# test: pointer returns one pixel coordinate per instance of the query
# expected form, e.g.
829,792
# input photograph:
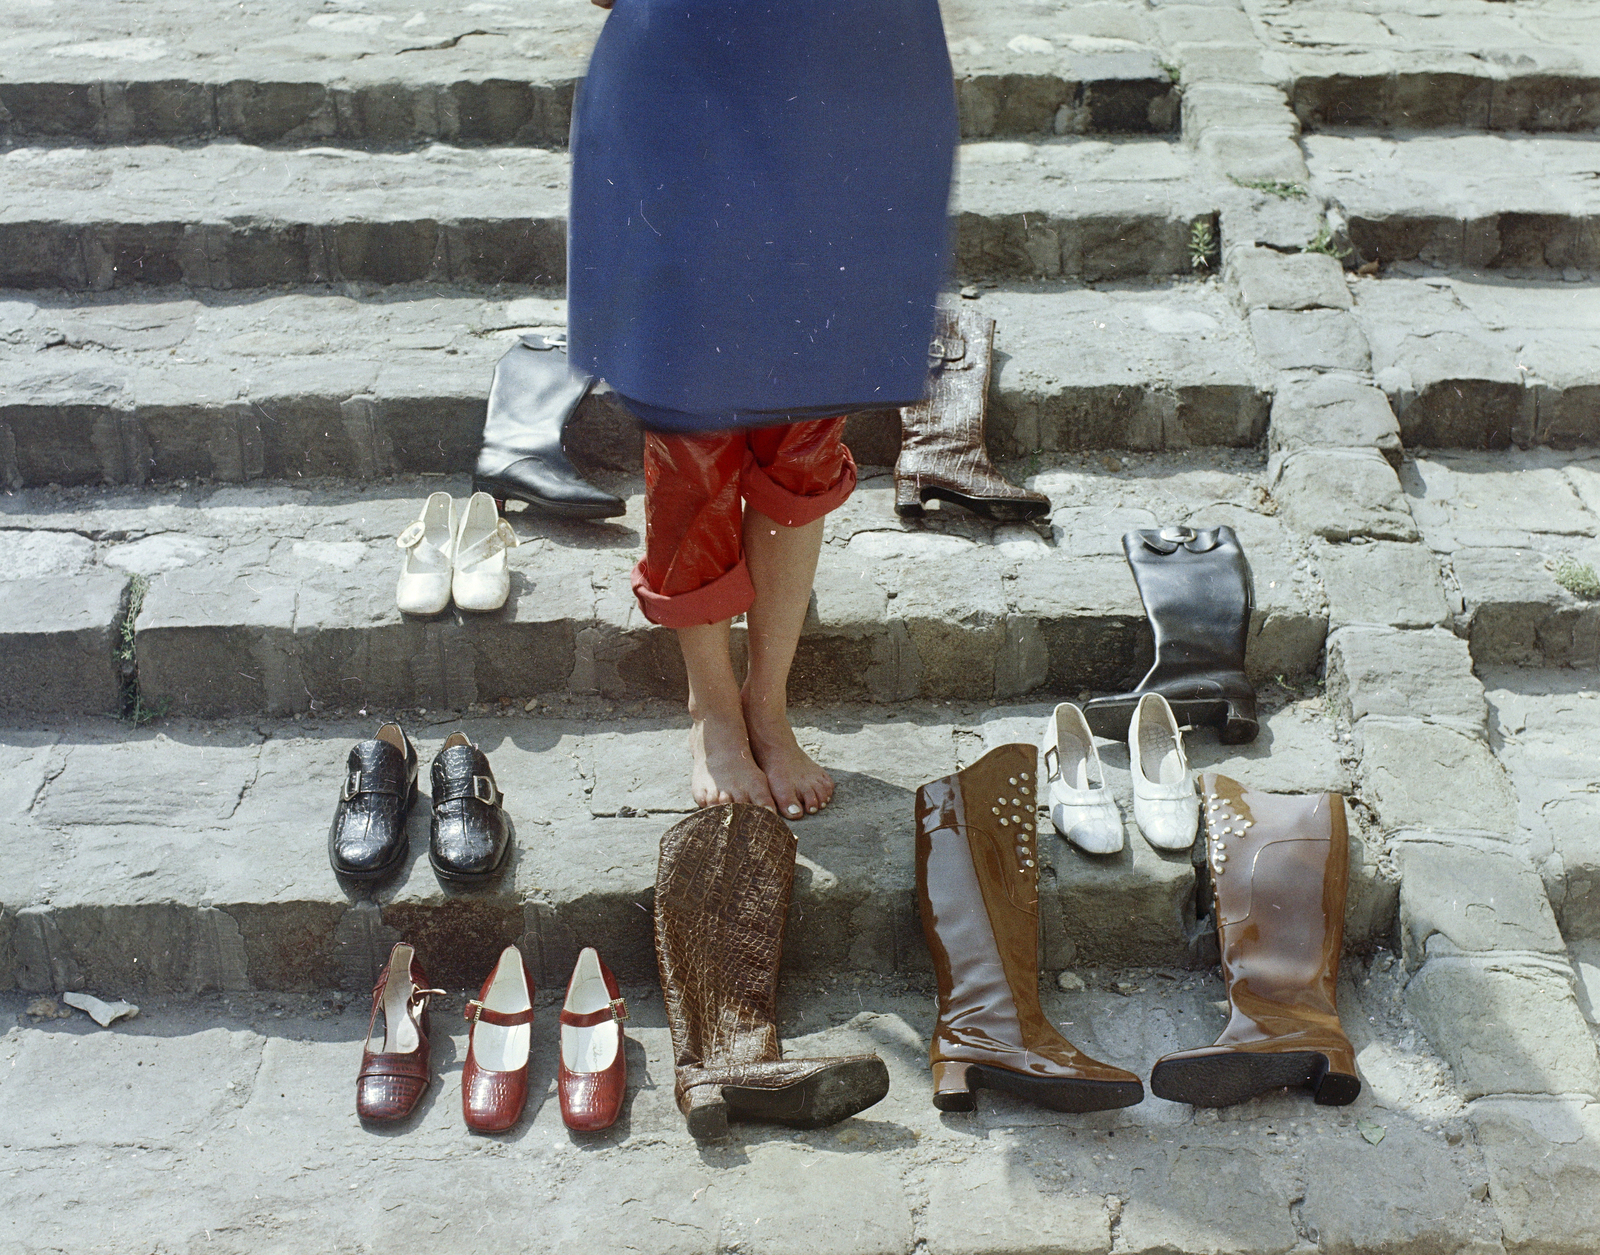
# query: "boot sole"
1058,1095
827,1097
561,509
1112,720
1001,511
1230,1077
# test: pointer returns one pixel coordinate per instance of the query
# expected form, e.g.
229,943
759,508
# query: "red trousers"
693,570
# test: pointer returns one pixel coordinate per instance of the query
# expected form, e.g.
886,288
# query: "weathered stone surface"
1542,1156
1339,494
1518,614
1382,582
1545,724
1332,411
1016,1215
1423,674
1315,339
1459,896
1506,1026
1252,154
1266,279
1242,1208
61,634
1516,499
1424,776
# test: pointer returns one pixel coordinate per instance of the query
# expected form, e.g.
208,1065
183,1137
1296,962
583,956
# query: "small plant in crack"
1578,578
134,709
1280,188
1202,245
1323,242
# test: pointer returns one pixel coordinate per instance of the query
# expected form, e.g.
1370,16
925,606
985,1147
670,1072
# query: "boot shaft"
722,896
1279,873
1198,594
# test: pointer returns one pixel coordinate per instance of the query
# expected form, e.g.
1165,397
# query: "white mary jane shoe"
481,580
1083,811
429,545
1164,801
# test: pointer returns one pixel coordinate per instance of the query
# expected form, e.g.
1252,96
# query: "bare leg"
783,563
724,769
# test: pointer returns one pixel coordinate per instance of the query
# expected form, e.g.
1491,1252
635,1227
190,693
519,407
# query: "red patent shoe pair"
494,1078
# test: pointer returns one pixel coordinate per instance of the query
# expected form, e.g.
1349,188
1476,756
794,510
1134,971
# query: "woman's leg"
693,578
797,474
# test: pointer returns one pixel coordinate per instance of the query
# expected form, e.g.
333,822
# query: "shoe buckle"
619,1010
474,1009
1177,535
352,786
483,789
411,537
946,349
418,1001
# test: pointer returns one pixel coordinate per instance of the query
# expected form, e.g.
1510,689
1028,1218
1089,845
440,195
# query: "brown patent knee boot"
1279,869
722,894
978,890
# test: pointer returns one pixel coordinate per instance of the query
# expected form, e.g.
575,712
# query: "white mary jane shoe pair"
1084,812
455,557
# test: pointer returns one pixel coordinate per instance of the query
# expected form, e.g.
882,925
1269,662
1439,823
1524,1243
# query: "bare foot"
724,770
799,786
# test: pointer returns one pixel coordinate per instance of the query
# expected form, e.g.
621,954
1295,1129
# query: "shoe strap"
477,1012
618,1011
374,780
497,541
480,789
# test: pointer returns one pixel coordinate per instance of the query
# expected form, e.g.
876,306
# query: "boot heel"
907,499
1239,725
707,1113
494,490
952,1087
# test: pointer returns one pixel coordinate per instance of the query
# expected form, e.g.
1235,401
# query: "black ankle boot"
1196,588
534,392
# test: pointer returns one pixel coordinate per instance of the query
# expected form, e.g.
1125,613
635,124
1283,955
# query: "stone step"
1518,535
196,1086
299,74
279,598
158,386
192,856
1478,361
112,217
1481,202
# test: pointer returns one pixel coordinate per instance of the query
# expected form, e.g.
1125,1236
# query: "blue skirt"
760,197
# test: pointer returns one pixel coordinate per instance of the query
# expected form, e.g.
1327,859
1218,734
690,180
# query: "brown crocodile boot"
978,890
942,450
722,895
1279,867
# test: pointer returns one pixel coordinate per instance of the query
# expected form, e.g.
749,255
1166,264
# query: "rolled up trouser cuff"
791,509
729,594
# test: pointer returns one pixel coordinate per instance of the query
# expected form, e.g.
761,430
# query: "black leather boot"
534,392
1196,588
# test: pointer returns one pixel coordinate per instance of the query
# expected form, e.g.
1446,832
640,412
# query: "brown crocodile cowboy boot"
1279,867
942,450
978,890
722,894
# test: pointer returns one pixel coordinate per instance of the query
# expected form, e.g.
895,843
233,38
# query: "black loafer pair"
469,836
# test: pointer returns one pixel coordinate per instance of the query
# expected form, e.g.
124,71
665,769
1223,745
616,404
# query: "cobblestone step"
112,217
192,856
388,74
1501,525
1482,202
268,1079
279,598
169,385
1477,361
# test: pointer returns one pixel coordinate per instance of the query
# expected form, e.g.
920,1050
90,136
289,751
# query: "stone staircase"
255,271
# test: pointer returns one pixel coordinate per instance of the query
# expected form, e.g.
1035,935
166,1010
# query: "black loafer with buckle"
470,836
368,836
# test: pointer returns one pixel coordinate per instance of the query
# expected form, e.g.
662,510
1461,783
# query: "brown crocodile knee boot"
978,890
1279,867
942,450
722,894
